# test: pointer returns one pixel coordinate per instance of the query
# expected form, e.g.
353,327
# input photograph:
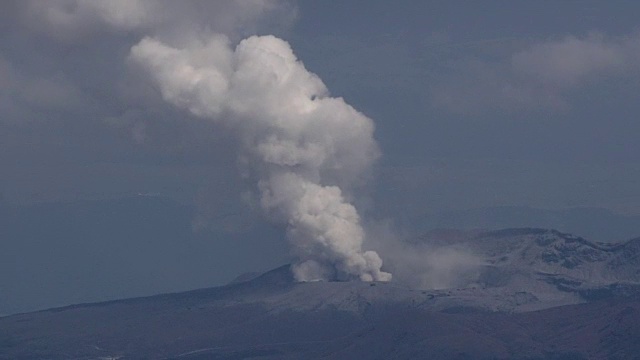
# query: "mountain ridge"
510,310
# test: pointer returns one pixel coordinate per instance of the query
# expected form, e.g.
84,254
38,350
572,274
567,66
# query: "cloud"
541,76
569,61
68,94
79,15
77,21
23,93
481,87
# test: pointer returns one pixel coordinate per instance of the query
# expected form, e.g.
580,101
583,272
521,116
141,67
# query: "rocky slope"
549,267
510,309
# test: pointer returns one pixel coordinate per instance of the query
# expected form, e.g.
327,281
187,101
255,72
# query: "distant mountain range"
592,223
537,294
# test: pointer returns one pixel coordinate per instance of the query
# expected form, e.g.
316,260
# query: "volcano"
539,294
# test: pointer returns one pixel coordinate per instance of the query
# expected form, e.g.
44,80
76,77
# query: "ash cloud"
431,261
304,150
434,267
304,147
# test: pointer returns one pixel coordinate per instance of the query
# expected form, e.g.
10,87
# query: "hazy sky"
525,102
476,104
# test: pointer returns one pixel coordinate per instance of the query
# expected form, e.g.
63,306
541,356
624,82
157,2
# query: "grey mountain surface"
543,268
510,308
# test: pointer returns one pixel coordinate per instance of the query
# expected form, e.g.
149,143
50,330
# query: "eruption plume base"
294,139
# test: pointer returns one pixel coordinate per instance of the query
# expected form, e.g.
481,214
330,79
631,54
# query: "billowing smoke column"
303,146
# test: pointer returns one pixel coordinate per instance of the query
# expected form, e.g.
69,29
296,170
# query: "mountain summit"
537,294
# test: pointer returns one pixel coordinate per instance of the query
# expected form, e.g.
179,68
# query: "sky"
500,103
475,104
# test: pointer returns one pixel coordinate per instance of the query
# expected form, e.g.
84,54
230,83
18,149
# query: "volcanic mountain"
536,294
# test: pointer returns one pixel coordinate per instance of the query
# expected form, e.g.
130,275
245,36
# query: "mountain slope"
211,324
551,267
510,311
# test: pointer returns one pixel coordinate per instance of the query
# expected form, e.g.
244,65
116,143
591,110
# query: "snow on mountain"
546,266
507,309
522,270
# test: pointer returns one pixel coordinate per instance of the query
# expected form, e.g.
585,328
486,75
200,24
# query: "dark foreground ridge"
272,317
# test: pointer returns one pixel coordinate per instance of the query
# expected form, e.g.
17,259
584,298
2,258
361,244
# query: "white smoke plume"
299,142
435,260
305,149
